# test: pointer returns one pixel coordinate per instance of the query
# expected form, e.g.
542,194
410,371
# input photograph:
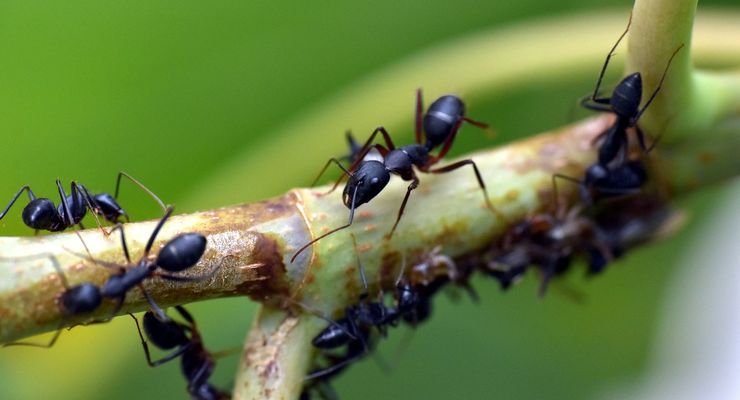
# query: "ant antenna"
660,84
31,196
334,160
140,185
360,267
608,57
351,217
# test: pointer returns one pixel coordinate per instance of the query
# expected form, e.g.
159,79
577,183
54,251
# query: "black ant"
42,214
196,362
367,178
179,254
608,176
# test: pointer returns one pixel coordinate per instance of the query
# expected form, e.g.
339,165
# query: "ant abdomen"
81,299
182,252
41,213
441,118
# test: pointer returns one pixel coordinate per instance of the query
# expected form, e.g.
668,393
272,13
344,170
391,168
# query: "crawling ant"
609,177
625,104
367,178
196,362
42,214
177,255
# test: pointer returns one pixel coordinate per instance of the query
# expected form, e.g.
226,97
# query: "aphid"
196,362
367,178
179,254
41,213
550,242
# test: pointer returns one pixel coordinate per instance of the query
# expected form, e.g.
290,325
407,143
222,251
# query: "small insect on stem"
177,255
42,214
368,177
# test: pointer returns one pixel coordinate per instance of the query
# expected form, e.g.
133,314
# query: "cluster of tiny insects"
599,227
547,242
178,255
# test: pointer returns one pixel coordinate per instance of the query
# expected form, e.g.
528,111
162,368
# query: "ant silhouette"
610,176
177,255
42,214
196,362
367,178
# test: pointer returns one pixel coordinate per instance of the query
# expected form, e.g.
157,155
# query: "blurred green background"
173,93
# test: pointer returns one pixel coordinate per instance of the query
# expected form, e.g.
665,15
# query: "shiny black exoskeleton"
613,173
625,104
179,254
42,214
196,361
367,178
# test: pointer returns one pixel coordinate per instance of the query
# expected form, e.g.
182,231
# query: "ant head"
109,207
365,183
40,214
164,334
625,100
81,299
182,252
441,117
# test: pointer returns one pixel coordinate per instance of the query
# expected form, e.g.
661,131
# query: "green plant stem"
253,243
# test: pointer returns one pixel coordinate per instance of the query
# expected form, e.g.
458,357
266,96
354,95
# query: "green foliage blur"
173,91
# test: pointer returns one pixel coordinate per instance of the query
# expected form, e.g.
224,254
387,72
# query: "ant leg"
155,232
601,104
186,315
351,357
482,185
158,311
657,89
31,196
65,206
555,186
447,143
419,116
351,217
124,246
162,360
197,278
367,147
43,346
326,166
361,268
606,63
413,185
89,203
140,185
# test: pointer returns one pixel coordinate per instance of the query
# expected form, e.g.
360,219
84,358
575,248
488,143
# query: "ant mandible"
179,254
367,178
42,214
196,362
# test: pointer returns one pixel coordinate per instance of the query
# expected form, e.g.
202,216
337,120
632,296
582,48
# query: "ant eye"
374,181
